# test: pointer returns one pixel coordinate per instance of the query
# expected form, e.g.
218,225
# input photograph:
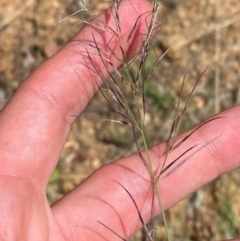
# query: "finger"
35,122
101,198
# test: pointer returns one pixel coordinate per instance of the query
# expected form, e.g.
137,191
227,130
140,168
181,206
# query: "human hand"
33,128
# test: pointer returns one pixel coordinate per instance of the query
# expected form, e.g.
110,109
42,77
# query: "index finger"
35,122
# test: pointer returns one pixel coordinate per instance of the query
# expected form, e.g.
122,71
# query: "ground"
198,34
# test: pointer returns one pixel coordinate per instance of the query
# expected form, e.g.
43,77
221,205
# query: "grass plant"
134,78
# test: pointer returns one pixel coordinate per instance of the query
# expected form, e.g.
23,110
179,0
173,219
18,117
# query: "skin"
33,128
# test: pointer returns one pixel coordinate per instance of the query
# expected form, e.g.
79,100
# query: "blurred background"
199,34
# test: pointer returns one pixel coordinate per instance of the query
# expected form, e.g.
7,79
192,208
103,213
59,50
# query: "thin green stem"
150,167
162,210
156,184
